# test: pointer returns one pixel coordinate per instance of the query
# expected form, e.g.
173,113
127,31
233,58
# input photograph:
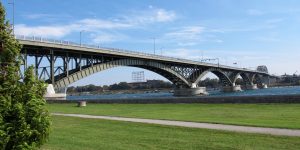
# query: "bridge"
70,62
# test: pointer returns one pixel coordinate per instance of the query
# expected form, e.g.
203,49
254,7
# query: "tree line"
150,84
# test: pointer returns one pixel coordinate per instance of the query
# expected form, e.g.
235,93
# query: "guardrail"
117,50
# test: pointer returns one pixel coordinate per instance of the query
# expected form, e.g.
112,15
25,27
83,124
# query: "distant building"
138,76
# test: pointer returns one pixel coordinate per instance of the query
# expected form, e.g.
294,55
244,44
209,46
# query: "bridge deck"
64,45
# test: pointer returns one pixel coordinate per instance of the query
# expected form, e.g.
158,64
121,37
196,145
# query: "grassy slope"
83,134
268,115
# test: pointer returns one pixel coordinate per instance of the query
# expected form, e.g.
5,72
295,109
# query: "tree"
24,121
212,83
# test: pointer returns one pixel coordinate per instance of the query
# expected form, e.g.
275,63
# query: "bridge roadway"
79,61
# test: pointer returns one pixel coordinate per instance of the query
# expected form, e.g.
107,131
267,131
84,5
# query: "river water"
270,91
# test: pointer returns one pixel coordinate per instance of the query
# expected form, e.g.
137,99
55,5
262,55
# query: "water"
269,91
120,96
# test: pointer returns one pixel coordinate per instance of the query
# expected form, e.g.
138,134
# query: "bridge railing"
62,42
122,51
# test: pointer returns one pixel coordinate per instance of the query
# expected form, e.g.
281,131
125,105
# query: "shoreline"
211,99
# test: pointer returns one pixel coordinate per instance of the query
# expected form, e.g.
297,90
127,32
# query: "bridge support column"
52,95
264,86
234,88
251,87
190,91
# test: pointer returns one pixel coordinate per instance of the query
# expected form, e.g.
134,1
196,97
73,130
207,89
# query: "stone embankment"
199,99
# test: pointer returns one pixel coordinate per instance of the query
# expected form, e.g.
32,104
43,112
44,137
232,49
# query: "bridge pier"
190,91
51,94
264,86
234,88
251,87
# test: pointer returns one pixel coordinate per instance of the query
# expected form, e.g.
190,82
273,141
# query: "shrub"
24,121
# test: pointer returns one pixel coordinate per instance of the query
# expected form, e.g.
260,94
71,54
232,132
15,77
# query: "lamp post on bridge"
81,36
161,49
154,44
218,61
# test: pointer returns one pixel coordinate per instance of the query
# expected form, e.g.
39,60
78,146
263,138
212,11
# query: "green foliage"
211,83
24,121
116,135
264,115
149,84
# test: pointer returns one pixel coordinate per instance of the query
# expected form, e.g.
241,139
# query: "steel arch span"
158,68
79,61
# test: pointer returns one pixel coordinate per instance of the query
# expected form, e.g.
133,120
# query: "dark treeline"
289,80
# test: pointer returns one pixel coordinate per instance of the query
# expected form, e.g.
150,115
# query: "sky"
240,33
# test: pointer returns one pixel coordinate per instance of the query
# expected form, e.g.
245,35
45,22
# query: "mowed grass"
70,133
265,115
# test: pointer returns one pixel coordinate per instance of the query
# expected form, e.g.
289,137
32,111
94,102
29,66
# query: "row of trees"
121,86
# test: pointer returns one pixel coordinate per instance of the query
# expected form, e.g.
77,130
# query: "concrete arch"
159,68
171,77
258,78
245,78
219,73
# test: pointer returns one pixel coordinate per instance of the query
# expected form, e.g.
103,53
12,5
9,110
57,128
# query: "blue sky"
251,33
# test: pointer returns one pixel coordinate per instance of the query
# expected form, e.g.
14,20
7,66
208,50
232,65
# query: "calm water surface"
269,91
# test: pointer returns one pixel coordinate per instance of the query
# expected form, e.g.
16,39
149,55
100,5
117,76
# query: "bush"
24,121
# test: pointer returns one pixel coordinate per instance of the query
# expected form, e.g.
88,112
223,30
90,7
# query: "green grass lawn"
267,115
70,133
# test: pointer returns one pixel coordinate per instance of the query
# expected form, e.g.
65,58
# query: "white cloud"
133,20
37,16
44,31
162,15
149,16
104,37
186,33
63,30
47,18
190,36
90,24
